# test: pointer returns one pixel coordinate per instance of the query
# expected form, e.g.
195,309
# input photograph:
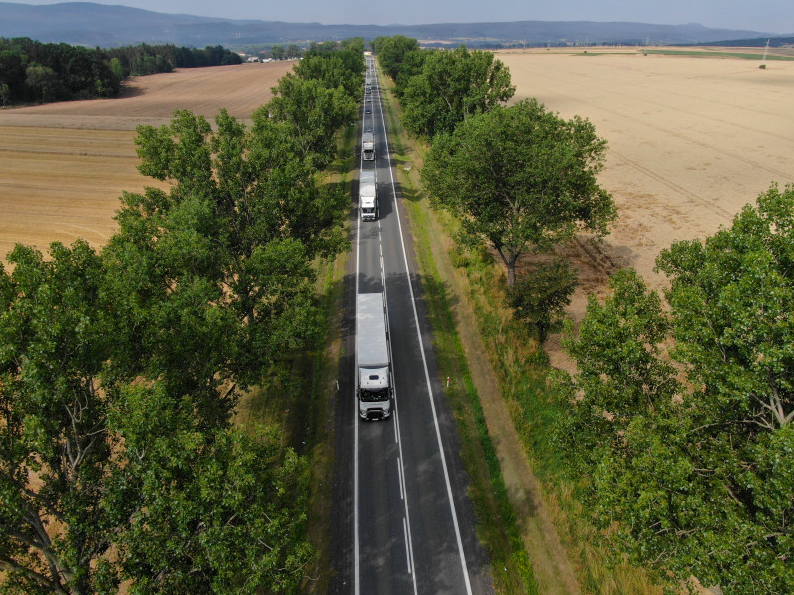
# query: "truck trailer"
373,359
368,146
368,195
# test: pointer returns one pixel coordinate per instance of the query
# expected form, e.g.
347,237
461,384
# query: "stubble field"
690,142
63,166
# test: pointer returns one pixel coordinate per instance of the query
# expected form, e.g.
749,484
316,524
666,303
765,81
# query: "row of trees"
284,52
146,59
520,179
119,370
681,417
31,71
677,428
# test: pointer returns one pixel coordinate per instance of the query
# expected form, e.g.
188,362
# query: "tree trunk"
509,258
510,261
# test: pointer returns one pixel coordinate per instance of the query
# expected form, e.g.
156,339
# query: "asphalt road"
402,522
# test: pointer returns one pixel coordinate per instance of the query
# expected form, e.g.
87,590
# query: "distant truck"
368,146
373,357
368,195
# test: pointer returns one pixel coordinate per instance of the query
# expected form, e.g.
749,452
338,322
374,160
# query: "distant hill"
90,24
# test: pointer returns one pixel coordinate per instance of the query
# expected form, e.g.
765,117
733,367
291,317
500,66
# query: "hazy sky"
773,16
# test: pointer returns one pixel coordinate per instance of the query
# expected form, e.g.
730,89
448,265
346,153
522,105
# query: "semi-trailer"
373,359
368,195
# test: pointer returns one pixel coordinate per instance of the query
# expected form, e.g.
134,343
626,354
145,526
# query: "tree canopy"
683,419
521,179
451,87
336,65
392,51
104,480
314,113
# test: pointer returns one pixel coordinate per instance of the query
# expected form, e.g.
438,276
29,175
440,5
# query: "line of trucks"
373,353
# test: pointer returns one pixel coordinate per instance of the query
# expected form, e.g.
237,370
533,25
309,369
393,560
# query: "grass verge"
496,523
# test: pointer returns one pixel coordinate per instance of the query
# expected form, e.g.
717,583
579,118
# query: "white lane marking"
453,510
400,478
408,558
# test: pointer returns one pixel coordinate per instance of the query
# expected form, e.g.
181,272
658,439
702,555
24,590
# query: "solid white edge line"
453,510
405,536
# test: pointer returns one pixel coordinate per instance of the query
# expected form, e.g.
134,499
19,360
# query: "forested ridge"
120,368
31,71
674,437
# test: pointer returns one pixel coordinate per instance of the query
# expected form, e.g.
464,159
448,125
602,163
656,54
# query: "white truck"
373,357
368,146
368,195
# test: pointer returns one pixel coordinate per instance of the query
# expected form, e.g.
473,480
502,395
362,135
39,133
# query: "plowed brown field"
63,166
691,141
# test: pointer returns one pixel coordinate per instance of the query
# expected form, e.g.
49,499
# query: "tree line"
146,59
31,71
120,368
677,427
520,179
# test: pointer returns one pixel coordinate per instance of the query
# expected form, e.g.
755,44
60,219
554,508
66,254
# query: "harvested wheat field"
63,166
691,141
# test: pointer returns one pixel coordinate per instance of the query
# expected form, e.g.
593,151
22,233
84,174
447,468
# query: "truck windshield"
368,209
372,396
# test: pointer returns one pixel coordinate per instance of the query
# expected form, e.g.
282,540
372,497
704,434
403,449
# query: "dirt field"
691,141
63,166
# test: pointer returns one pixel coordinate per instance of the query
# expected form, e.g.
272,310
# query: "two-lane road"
402,521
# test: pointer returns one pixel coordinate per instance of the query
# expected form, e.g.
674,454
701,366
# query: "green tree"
392,51
54,444
541,297
411,66
521,179
277,52
233,239
451,87
698,473
43,81
219,512
337,68
314,113
117,69
102,482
